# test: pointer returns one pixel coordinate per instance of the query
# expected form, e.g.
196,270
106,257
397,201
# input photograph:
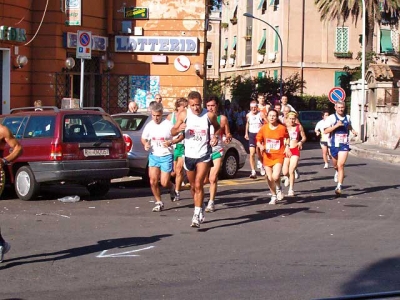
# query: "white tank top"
255,122
197,135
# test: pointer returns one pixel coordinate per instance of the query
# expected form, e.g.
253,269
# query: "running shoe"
285,180
159,207
296,174
290,193
195,221
273,200
279,195
335,178
3,250
172,192
338,190
177,197
201,215
259,164
326,166
262,171
210,207
253,175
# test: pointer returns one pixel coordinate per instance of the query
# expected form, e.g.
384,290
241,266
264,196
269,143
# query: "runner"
217,151
253,125
297,138
6,137
196,123
157,137
284,103
319,131
272,142
179,149
338,126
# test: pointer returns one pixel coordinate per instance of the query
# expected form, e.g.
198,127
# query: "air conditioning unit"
272,56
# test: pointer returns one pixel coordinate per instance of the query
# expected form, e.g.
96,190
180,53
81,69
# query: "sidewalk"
371,151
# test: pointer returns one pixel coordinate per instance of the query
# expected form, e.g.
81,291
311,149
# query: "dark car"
132,125
308,119
82,146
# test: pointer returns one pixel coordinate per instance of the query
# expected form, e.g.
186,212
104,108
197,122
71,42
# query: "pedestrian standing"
217,151
253,124
157,139
339,126
272,140
6,137
196,123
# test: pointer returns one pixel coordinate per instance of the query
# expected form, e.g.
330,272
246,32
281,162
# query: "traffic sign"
84,44
337,94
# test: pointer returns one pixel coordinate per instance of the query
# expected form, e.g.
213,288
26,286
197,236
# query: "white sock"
253,171
210,201
197,210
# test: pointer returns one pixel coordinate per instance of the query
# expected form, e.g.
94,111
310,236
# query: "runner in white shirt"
196,122
157,139
319,131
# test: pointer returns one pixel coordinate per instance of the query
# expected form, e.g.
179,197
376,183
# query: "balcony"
348,54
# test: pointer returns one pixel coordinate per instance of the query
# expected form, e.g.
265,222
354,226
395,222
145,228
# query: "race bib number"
157,142
340,138
198,135
271,144
293,135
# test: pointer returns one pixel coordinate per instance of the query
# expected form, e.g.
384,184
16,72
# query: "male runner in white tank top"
196,122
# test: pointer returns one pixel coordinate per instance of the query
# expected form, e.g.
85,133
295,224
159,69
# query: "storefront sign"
156,44
99,43
12,34
138,13
73,10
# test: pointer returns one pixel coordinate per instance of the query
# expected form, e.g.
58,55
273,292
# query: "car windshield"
88,128
130,122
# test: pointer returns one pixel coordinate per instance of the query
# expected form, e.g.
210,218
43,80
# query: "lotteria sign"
12,34
156,44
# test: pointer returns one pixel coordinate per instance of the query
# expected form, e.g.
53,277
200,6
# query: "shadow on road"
84,250
258,216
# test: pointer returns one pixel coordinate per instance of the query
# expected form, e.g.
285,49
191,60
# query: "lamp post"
280,40
362,121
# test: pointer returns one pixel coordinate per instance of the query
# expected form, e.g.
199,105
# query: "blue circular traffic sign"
337,94
84,39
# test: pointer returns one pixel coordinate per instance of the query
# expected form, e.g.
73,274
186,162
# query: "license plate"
96,152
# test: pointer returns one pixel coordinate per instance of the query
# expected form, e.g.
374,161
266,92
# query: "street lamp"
280,40
362,121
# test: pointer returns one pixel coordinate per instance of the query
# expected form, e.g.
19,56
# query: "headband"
253,104
292,113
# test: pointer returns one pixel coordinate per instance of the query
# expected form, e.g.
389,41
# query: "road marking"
122,254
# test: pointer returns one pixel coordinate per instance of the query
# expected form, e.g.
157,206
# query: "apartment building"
316,50
135,50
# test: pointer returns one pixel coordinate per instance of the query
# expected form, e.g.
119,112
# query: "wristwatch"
5,161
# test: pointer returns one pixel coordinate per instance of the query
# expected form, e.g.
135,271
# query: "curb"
375,154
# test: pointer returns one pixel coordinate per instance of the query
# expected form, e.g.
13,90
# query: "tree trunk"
369,31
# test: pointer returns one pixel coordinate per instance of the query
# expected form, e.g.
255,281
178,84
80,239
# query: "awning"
271,2
386,41
234,42
264,37
261,4
226,44
234,15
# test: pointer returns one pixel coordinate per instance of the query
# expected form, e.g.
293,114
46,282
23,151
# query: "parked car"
308,119
132,125
82,146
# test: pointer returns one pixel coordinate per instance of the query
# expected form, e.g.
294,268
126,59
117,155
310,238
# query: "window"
338,77
40,126
276,44
131,122
234,42
226,44
263,39
274,3
276,74
247,59
210,28
386,41
263,6
210,58
342,39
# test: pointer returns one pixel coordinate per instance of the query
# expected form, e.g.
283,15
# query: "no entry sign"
337,94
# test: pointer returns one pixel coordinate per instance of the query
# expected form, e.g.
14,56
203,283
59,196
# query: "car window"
88,128
311,116
14,124
40,126
131,122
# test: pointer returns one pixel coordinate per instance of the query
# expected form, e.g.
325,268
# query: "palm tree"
380,11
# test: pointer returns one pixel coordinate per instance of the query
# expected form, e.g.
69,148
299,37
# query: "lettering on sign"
99,43
12,34
156,44
136,13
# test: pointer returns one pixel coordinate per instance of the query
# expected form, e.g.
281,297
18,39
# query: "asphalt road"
309,246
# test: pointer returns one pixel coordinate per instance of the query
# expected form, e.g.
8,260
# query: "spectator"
38,105
158,98
132,107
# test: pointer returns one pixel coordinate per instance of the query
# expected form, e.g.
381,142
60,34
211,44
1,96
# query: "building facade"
318,51
136,48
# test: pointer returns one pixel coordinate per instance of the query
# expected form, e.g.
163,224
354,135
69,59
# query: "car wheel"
98,188
230,165
26,186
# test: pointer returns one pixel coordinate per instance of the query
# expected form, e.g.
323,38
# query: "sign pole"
82,80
